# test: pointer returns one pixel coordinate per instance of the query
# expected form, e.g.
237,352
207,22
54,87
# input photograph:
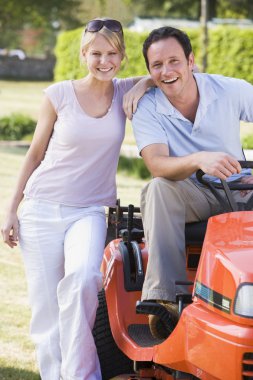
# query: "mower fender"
207,345
121,304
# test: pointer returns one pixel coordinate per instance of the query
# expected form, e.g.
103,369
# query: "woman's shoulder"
123,85
58,92
58,86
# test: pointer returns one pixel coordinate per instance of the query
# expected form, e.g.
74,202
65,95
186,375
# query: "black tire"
113,362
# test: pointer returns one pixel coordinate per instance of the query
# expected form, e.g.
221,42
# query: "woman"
67,178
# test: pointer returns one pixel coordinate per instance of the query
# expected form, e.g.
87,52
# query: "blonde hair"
116,39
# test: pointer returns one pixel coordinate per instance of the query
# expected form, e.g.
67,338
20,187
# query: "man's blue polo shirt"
223,103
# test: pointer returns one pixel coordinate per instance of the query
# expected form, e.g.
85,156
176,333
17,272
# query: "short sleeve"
147,126
246,100
55,93
124,84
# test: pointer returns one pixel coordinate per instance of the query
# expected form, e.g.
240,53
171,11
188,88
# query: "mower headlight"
244,301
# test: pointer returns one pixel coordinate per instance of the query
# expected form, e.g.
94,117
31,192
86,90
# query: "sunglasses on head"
96,25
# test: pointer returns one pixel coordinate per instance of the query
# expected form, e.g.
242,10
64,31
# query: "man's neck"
187,104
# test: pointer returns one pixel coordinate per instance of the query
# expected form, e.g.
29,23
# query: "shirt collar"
163,105
207,93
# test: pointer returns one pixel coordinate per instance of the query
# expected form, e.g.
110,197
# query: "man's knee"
159,188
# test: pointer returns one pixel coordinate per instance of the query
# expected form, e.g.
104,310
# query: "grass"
16,350
24,97
17,357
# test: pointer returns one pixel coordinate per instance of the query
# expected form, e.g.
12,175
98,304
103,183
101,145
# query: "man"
190,121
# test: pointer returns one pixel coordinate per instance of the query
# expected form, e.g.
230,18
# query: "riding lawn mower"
213,338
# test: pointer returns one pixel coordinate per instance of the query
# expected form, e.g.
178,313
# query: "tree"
235,9
204,33
117,9
191,8
166,8
47,15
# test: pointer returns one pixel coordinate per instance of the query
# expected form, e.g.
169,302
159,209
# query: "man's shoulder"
218,80
149,98
222,86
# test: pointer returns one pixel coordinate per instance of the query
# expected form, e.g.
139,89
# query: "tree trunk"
204,33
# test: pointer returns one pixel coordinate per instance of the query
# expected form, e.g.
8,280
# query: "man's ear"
191,61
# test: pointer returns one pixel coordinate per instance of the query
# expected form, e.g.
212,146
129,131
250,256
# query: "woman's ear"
83,55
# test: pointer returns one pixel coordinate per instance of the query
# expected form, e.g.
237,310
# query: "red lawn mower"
213,338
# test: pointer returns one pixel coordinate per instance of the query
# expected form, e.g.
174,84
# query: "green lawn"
17,358
16,350
24,97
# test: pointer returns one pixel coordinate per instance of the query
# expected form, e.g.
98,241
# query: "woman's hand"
131,98
10,230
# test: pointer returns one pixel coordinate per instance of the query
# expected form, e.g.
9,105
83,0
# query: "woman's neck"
95,86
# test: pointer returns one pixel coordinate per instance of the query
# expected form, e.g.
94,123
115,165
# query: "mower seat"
195,233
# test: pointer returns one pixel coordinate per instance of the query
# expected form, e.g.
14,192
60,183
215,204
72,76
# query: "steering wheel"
228,203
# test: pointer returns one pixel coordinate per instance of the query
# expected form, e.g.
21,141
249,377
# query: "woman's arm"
131,98
33,158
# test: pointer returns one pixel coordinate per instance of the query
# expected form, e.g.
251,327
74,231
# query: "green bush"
247,142
68,65
134,167
16,126
230,53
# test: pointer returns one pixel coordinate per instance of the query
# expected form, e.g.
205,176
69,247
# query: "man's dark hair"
163,33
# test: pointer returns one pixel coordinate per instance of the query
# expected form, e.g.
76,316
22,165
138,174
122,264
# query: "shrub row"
134,167
230,53
248,142
16,127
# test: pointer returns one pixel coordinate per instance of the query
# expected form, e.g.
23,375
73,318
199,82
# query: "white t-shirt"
80,163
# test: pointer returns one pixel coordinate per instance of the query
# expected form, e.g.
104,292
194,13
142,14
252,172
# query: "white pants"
62,249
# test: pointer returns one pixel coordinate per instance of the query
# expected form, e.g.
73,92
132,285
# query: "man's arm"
160,164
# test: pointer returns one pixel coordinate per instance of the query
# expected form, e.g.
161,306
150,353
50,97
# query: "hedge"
16,127
247,142
133,166
230,53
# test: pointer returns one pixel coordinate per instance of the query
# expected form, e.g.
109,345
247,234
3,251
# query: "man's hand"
247,180
218,164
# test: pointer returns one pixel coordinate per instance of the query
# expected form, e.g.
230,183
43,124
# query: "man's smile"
168,81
